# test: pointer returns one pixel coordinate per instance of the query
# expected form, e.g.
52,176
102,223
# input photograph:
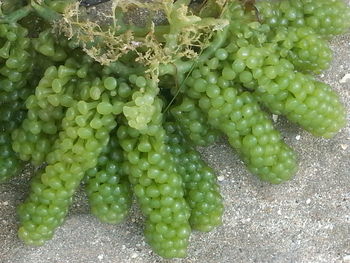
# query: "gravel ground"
304,220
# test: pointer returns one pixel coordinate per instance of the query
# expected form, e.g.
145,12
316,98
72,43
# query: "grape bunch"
16,70
119,109
107,186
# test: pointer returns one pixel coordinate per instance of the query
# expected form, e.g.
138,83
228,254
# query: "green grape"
326,17
194,123
107,187
157,186
300,44
85,132
10,116
202,191
248,128
17,61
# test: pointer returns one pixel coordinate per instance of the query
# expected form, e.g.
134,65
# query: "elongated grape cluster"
194,123
237,114
75,151
326,17
201,189
107,186
130,127
258,66
15,71
303,47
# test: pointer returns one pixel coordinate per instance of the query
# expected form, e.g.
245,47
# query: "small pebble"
345,78
134,255
274,117
136,43
100,257
221,178
346,259
344,146
297,137
308,201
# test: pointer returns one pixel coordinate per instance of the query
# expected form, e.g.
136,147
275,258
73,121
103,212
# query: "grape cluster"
259,66
46,109
45,44
10,164
140,110
325,17
107,186
303,47
201,189
130,128
15,72
249,130
83,133
157,186
194,123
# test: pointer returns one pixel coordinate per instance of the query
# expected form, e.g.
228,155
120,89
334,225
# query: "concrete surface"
304,220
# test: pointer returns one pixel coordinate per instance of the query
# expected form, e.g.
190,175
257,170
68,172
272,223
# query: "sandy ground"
304,220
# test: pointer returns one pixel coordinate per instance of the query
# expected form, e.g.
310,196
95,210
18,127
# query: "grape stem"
121,69
159,30
45,12
217,42
16,15
182,67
